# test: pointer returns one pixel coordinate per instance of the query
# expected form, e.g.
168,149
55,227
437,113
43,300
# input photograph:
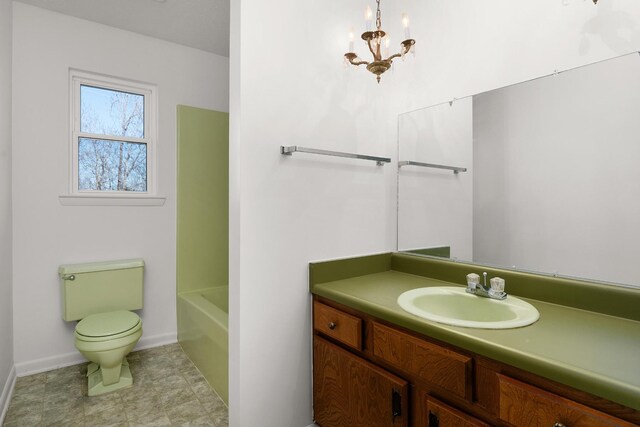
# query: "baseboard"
7,392
156,341
23,369
48,363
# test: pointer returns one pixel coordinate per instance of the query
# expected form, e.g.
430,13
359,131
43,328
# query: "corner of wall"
7,368
7,392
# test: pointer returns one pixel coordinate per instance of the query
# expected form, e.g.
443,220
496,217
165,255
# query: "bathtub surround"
7,371
203,199
203,242
52,234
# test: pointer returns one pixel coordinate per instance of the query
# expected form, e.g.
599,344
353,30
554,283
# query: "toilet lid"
106,324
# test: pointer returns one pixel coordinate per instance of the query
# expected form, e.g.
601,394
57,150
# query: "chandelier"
375,40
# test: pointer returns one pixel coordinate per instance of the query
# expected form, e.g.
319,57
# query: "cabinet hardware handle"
396,404
433,420
559,425
332,325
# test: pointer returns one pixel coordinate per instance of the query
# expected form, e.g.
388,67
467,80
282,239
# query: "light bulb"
368,18
405,24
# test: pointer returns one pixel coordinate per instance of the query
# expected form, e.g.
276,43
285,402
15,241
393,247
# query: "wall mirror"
552,179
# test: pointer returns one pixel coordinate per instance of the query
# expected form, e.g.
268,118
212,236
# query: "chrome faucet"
494,291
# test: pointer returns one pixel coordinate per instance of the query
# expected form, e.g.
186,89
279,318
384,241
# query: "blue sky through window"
104,164
111,112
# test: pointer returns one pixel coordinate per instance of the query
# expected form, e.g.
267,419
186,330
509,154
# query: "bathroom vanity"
531,177
377,365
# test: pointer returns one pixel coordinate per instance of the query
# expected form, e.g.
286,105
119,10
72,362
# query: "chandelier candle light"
375,39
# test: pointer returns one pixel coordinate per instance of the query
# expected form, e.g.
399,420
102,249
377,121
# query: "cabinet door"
528,406
441,415
351,392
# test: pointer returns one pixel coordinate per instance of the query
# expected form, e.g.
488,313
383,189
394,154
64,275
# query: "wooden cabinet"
369,373
338,325
434,364
442,415
525,405
351,392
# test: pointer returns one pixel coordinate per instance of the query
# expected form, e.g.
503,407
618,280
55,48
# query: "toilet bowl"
101,296
105,339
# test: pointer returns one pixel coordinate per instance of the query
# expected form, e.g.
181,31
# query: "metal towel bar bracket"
455,169
288,151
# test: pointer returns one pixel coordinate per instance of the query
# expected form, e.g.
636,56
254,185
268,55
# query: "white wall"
466,47
47,234
555,173
6,307
291,89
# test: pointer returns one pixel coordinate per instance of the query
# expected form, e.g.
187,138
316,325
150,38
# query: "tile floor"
168,390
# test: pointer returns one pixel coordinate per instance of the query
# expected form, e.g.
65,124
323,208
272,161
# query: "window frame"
78,78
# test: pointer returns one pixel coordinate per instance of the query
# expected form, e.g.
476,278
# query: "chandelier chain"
378,16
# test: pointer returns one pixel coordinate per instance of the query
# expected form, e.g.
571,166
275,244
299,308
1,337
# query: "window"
113,136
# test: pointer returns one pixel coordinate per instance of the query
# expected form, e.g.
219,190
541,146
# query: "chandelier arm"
397,55
351,57
356,63
407,45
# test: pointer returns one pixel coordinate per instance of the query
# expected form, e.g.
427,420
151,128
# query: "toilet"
101,296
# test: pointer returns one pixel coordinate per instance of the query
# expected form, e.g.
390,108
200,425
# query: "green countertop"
589,351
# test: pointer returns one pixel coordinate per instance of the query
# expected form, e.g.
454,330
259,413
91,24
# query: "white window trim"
77,197
110,200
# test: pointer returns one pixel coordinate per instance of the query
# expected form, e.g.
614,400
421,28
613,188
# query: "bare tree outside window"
112,163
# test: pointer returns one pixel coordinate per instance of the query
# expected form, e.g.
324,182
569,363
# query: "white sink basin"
454,306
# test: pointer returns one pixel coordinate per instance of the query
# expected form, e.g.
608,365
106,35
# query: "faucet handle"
472,281
497,286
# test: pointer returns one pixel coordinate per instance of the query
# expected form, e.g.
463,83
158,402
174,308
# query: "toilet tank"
101,286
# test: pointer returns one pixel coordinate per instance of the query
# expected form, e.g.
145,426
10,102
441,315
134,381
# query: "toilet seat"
108,326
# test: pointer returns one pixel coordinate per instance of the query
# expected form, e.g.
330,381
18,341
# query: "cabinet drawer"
525,405
442,415
338,325
432,363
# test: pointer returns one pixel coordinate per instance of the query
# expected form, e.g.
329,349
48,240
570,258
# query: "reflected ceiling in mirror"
552,180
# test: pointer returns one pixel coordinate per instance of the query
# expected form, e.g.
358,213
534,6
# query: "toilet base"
95,384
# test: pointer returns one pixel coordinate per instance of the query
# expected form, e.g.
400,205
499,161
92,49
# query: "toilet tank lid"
100,266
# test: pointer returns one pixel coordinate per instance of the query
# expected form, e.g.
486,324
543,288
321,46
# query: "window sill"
110,200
